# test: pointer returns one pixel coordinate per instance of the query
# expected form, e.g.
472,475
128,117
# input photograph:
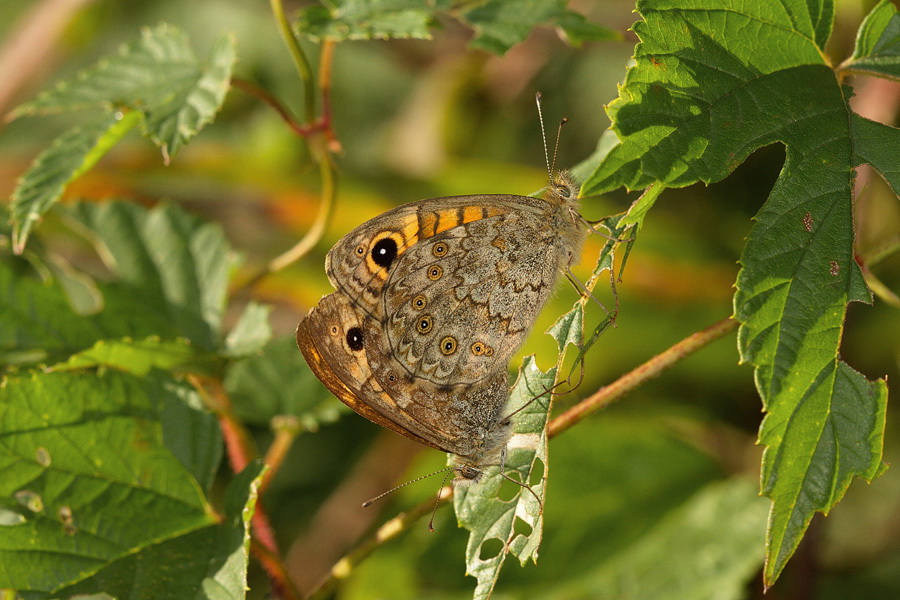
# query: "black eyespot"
355,339
435,272
419,302
440,249
424,324
384,252
448,345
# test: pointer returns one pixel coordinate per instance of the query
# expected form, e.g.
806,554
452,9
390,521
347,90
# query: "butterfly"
431,301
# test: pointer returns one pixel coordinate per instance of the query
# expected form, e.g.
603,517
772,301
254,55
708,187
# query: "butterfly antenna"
562,122
537,100
437,501
369,503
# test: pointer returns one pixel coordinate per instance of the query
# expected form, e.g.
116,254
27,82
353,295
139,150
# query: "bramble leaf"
277,381
173,269
160,76
68,157
90,448
710,86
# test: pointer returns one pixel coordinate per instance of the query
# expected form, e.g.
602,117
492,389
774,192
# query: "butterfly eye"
440,249
355,339
424,324
384,252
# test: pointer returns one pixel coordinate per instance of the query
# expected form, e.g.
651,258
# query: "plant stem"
391,529
650,369
299,57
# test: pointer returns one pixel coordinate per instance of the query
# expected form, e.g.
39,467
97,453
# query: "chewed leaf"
516,524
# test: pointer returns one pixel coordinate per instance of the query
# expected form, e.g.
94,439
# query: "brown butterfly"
432,300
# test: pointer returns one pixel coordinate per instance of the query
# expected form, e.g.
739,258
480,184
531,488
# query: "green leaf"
251,332
710,86
278,382
191,432
90,447
36,320
341,20
139,357
66,159
878,43
707,564
210,563
510,525
501,24
569,328
160,76
876,144
173,269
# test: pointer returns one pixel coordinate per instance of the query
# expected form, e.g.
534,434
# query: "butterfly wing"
345,349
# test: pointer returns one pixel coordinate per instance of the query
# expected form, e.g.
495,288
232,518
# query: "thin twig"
650,369
391,529
282,586
286,428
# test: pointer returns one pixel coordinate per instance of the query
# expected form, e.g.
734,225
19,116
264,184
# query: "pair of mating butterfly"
433,299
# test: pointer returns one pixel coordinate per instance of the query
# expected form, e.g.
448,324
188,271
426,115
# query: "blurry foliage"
662,474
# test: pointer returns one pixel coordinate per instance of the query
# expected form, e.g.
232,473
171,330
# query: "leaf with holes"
501,526
711,85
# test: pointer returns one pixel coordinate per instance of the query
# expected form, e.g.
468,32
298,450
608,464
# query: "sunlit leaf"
90,446
252,331
711,85
69,156
210,563
500,526
160,76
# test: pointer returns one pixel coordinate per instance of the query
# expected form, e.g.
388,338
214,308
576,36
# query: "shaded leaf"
711,85
278,381
170,264
341,20
68,157
501,24
36,320
516,523
158,75
251,332
707,548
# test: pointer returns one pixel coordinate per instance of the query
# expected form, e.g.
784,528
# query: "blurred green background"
419,119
